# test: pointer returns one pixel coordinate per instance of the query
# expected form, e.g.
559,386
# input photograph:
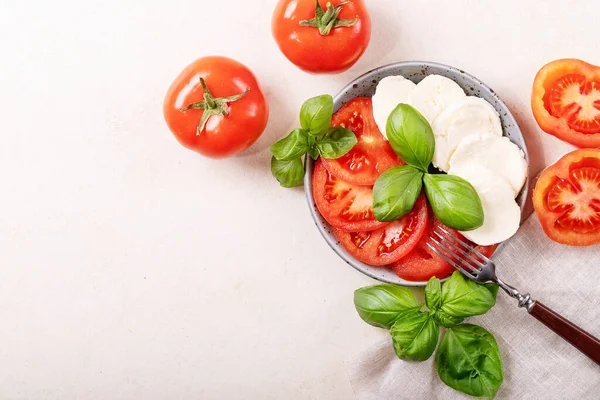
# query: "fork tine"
448,259
450,254
461,251
453,237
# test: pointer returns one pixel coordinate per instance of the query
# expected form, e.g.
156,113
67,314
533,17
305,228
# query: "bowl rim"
309,165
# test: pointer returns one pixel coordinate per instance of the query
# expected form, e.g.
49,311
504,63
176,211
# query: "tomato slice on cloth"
423,263
372,155
566,101
566,199
390,243
345,206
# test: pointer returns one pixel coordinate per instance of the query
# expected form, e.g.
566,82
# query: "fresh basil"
382,305
411,136
290,173
314,138
433,294
461,297
316,113
469,361
415,336
336,143
445,320
433,298
468,358
395,192
292,146
454,201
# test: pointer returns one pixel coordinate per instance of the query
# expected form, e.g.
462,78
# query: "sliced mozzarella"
498,154
465,117
434,94
390,92
502,215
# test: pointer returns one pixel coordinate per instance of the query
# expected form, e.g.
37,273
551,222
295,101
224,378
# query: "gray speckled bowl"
364,86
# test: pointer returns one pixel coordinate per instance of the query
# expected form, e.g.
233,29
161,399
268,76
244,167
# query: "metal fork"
479,268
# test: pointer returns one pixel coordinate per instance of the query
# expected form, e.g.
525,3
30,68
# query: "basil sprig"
315,137
468,358
453,200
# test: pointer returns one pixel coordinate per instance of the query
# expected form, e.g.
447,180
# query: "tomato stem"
326,20
212,106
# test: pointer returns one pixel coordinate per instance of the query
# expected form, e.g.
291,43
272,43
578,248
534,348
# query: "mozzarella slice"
390,92
465,117
502,215
434,94
498,154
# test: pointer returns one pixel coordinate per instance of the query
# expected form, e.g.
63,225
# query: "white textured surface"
133,268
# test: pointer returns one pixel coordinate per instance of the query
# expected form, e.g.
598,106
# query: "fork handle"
582,340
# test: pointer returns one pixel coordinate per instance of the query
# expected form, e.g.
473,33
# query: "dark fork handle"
583,341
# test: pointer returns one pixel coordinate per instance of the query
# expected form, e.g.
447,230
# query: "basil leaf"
292,146
382,305
493,288
445,320
316,113
411,136
415,336
336,143
454,201
395,192
461,297
433,294
289,173
469,361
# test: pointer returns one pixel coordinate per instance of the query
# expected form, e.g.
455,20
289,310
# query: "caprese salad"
382,197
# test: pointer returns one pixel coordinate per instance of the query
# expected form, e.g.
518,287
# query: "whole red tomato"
322,35
216,107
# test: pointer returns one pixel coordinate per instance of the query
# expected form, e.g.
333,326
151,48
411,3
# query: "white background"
131,267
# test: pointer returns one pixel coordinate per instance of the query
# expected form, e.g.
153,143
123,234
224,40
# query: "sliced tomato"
390,243
372,155
567,199
345,206
566,101
423,263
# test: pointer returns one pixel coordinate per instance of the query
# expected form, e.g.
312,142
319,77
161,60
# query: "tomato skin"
308,49
423,263
223,136
335,199
547,195
370,247
548,76
372,155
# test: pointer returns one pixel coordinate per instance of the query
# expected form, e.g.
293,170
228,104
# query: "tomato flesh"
372,155
577,100
386,245
577,198
567,199
423,263
343,205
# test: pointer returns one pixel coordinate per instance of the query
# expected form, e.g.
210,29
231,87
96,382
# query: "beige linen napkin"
538,364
